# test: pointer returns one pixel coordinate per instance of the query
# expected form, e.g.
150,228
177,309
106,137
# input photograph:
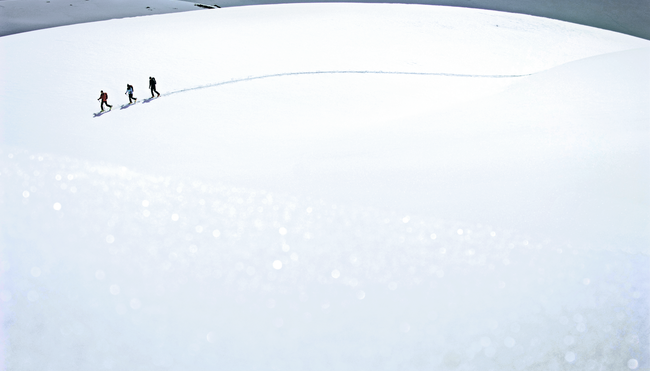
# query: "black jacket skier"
152,86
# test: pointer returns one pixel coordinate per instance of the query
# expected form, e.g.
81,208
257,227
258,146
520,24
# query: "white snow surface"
325,186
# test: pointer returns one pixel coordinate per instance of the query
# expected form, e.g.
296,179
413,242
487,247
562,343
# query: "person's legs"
102,105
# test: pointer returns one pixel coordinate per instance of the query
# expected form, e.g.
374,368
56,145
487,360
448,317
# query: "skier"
104,98
152,86
129,91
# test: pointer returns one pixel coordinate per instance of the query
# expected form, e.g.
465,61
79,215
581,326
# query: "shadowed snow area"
326,186
626,16
28,15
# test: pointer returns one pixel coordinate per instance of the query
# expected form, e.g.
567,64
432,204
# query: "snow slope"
326,186
320,115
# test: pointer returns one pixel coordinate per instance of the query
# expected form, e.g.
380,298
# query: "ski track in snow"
251,78
345,72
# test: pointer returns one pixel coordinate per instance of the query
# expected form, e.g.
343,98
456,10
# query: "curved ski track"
251,78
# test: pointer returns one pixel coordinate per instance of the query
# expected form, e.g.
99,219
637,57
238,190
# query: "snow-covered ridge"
336,126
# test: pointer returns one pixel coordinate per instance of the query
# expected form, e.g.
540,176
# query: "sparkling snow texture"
106,268
338,186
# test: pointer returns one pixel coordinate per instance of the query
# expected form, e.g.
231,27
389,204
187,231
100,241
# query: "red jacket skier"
104,98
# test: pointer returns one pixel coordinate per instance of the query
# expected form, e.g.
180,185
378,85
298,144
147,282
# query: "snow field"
326,221
139,271
284,141
191,49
